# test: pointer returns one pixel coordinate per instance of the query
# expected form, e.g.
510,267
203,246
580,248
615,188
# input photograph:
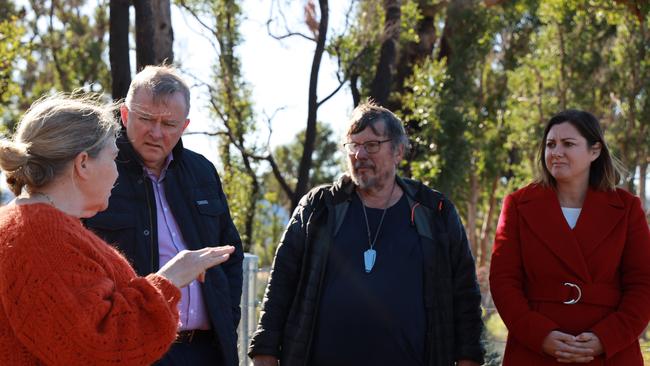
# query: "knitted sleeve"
71,305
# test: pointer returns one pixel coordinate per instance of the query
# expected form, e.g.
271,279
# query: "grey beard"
366,183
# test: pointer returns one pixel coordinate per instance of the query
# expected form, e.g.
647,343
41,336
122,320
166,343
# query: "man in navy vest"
168,199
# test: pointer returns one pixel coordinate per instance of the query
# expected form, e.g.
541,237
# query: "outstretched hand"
188,265
567,348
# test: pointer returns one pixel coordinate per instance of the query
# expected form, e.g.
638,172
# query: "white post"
248,321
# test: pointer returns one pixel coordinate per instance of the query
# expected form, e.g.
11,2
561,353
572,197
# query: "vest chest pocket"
210,206
210,212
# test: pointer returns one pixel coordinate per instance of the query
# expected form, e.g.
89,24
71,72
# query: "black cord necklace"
370,255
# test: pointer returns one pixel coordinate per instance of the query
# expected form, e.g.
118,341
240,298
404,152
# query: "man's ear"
399,153
187,122
81,166
124,113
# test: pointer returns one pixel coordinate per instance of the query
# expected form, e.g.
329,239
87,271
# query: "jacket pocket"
207,200
210,206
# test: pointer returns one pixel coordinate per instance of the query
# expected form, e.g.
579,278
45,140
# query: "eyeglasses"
371,147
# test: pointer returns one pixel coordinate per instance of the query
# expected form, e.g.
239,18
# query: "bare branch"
269,120
341,83
206,133
345,78
278,176
348,15
202,23
286,35
62,75
288,32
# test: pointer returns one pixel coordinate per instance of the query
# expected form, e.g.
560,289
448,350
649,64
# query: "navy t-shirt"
375,318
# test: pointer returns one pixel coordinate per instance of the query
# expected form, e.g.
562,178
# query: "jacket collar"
344,187
416,193
542,213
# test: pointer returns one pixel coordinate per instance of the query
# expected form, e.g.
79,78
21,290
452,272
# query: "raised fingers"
212,256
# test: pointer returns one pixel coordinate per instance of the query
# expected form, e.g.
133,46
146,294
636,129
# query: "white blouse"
571,215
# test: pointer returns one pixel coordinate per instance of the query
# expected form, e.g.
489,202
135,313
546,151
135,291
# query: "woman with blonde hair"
570,271
66,297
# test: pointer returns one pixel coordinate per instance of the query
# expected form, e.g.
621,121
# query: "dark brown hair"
368,114
605,171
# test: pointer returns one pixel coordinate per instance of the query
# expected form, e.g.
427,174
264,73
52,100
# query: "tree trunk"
643,175
383,80
563,73
154,36
472,209
486,230
163,36
354,90
413,53
144,34
119,48
251,207
310,133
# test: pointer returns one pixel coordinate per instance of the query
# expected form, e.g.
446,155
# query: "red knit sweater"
68,298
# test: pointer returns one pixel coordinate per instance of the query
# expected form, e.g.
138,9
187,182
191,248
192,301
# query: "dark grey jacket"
451,292
193,191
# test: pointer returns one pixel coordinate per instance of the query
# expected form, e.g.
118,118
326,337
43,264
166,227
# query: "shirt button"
165,209
173,234
146,232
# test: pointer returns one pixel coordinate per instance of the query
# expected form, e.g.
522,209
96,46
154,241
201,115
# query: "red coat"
607,255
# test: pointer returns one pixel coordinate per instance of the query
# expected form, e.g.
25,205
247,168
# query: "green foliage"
423,122
475,108
274,207
52,46
238,193
10,53
411,15
359,46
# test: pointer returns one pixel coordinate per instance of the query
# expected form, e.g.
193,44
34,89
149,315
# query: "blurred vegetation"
474,82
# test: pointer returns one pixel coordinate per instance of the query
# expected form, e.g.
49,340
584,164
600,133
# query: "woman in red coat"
570,272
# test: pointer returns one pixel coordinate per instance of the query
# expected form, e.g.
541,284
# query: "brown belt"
573,293
193,336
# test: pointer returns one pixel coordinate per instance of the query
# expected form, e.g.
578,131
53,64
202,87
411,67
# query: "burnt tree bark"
310,133
154,36
119,48
383,80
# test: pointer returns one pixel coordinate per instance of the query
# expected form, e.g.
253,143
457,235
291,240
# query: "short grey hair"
161,81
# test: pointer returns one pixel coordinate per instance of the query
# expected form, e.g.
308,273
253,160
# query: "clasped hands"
567,348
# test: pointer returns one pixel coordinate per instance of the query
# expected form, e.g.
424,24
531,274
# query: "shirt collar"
163,171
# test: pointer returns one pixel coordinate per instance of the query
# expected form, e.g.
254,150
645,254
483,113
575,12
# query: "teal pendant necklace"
370,255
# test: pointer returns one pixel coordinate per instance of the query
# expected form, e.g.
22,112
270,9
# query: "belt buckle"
185,336
575,300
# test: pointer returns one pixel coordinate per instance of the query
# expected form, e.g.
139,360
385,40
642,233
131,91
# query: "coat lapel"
601,212
540,209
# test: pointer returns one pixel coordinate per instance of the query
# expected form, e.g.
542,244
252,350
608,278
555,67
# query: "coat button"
140,181
146,232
